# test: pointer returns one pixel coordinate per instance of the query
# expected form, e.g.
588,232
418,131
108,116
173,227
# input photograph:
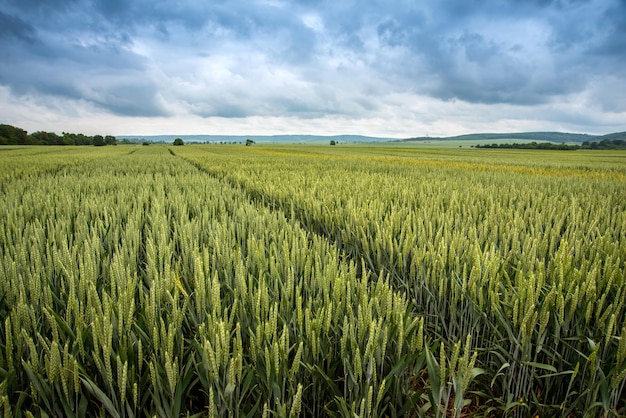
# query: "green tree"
10,135
68,138
249,142
98,140
45,138
178,141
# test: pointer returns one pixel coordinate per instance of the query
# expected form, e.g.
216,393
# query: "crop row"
528,259
136,285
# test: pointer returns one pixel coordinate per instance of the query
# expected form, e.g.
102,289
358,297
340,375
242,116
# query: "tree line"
604,144
11,135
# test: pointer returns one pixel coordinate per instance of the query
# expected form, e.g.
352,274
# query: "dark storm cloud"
236,58
14,27
38,7
506,52
66,51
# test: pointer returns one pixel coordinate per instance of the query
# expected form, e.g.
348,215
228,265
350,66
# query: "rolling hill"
557,137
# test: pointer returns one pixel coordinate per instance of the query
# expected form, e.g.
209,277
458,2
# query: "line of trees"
531,145
11,135
604,144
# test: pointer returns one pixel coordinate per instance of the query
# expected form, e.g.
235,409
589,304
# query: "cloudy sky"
396,68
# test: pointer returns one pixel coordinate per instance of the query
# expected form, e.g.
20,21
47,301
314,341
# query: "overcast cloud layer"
388,68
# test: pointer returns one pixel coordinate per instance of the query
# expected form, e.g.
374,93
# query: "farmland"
313,281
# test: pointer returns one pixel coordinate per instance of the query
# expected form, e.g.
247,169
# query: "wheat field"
210,280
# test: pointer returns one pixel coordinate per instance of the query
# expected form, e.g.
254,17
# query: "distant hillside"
556,137
530,136
613,137
256,138
534,136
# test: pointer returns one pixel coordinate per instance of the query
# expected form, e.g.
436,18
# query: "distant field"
453,143
388,279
